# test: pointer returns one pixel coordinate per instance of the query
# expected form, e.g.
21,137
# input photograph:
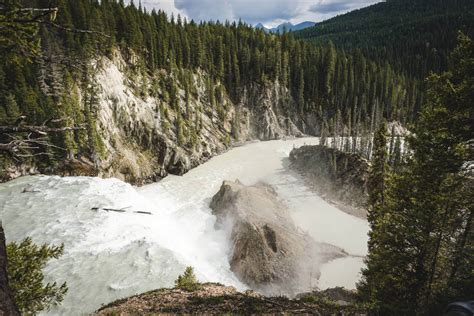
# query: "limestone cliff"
146,136
169,121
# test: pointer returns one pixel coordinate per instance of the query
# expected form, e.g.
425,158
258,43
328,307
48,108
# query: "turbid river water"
110,255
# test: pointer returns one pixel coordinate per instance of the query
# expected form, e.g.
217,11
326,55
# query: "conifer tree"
26,261
378,174
420,250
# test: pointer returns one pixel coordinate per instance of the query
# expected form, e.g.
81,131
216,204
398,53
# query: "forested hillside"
413,36
329,91
421,243
104,88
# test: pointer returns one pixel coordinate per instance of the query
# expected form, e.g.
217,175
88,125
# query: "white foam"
109,255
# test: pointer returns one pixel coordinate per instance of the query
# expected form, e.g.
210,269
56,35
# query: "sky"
269,12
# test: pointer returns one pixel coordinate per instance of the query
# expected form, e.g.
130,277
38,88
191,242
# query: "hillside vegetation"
139,94
413,36
323,90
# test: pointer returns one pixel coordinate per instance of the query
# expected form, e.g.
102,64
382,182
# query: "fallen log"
122,210
141,212
29,190
108,209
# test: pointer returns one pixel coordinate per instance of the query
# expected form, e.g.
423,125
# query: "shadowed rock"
269,253
336,175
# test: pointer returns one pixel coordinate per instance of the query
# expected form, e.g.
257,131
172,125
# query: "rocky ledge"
216,299
338,176
270,254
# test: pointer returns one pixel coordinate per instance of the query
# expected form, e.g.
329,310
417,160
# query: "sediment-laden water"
110,255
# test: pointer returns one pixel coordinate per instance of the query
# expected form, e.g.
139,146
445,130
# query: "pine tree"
376,184
25,264
187,281
12,110
420,250
397,153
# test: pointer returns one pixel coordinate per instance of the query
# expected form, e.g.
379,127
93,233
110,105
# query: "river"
110,255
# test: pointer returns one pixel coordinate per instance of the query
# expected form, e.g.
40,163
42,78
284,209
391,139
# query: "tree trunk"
7,304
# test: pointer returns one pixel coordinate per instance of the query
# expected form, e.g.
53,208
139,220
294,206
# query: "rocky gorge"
269,253
164,226
143,135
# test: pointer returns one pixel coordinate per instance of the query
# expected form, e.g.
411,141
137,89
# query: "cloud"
268,12
205,9
251,11
325,7
335,7
165,5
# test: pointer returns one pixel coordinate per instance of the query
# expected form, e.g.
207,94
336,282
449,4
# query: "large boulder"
269,253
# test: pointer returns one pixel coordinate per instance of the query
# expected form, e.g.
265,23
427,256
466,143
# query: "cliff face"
152,124
339,176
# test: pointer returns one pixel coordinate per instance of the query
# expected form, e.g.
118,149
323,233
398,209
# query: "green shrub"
187,281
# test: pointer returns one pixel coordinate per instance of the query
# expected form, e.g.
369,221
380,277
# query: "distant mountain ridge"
286,27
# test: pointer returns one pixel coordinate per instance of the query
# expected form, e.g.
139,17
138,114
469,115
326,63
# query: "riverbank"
338,177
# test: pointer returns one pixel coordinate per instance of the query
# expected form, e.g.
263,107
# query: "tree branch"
52,12
42,130
73,30
25,146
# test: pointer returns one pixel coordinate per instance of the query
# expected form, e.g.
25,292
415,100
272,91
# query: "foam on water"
110,255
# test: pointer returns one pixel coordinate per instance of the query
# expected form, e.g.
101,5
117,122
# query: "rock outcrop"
147,133
336,175
150,125
269,253
216,299
7,304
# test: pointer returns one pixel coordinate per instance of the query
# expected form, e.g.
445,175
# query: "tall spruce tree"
378,175
421,253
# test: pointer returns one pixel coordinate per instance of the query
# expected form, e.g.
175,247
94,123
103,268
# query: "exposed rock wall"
141,133
269,253
148,129
337,175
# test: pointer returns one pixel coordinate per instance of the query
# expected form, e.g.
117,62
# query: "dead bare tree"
41,130
36,140
18,22
45,16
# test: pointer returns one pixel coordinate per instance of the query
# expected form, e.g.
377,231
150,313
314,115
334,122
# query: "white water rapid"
110,255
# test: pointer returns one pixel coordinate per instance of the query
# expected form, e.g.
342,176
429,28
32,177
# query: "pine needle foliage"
26,262
187,281
421,248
